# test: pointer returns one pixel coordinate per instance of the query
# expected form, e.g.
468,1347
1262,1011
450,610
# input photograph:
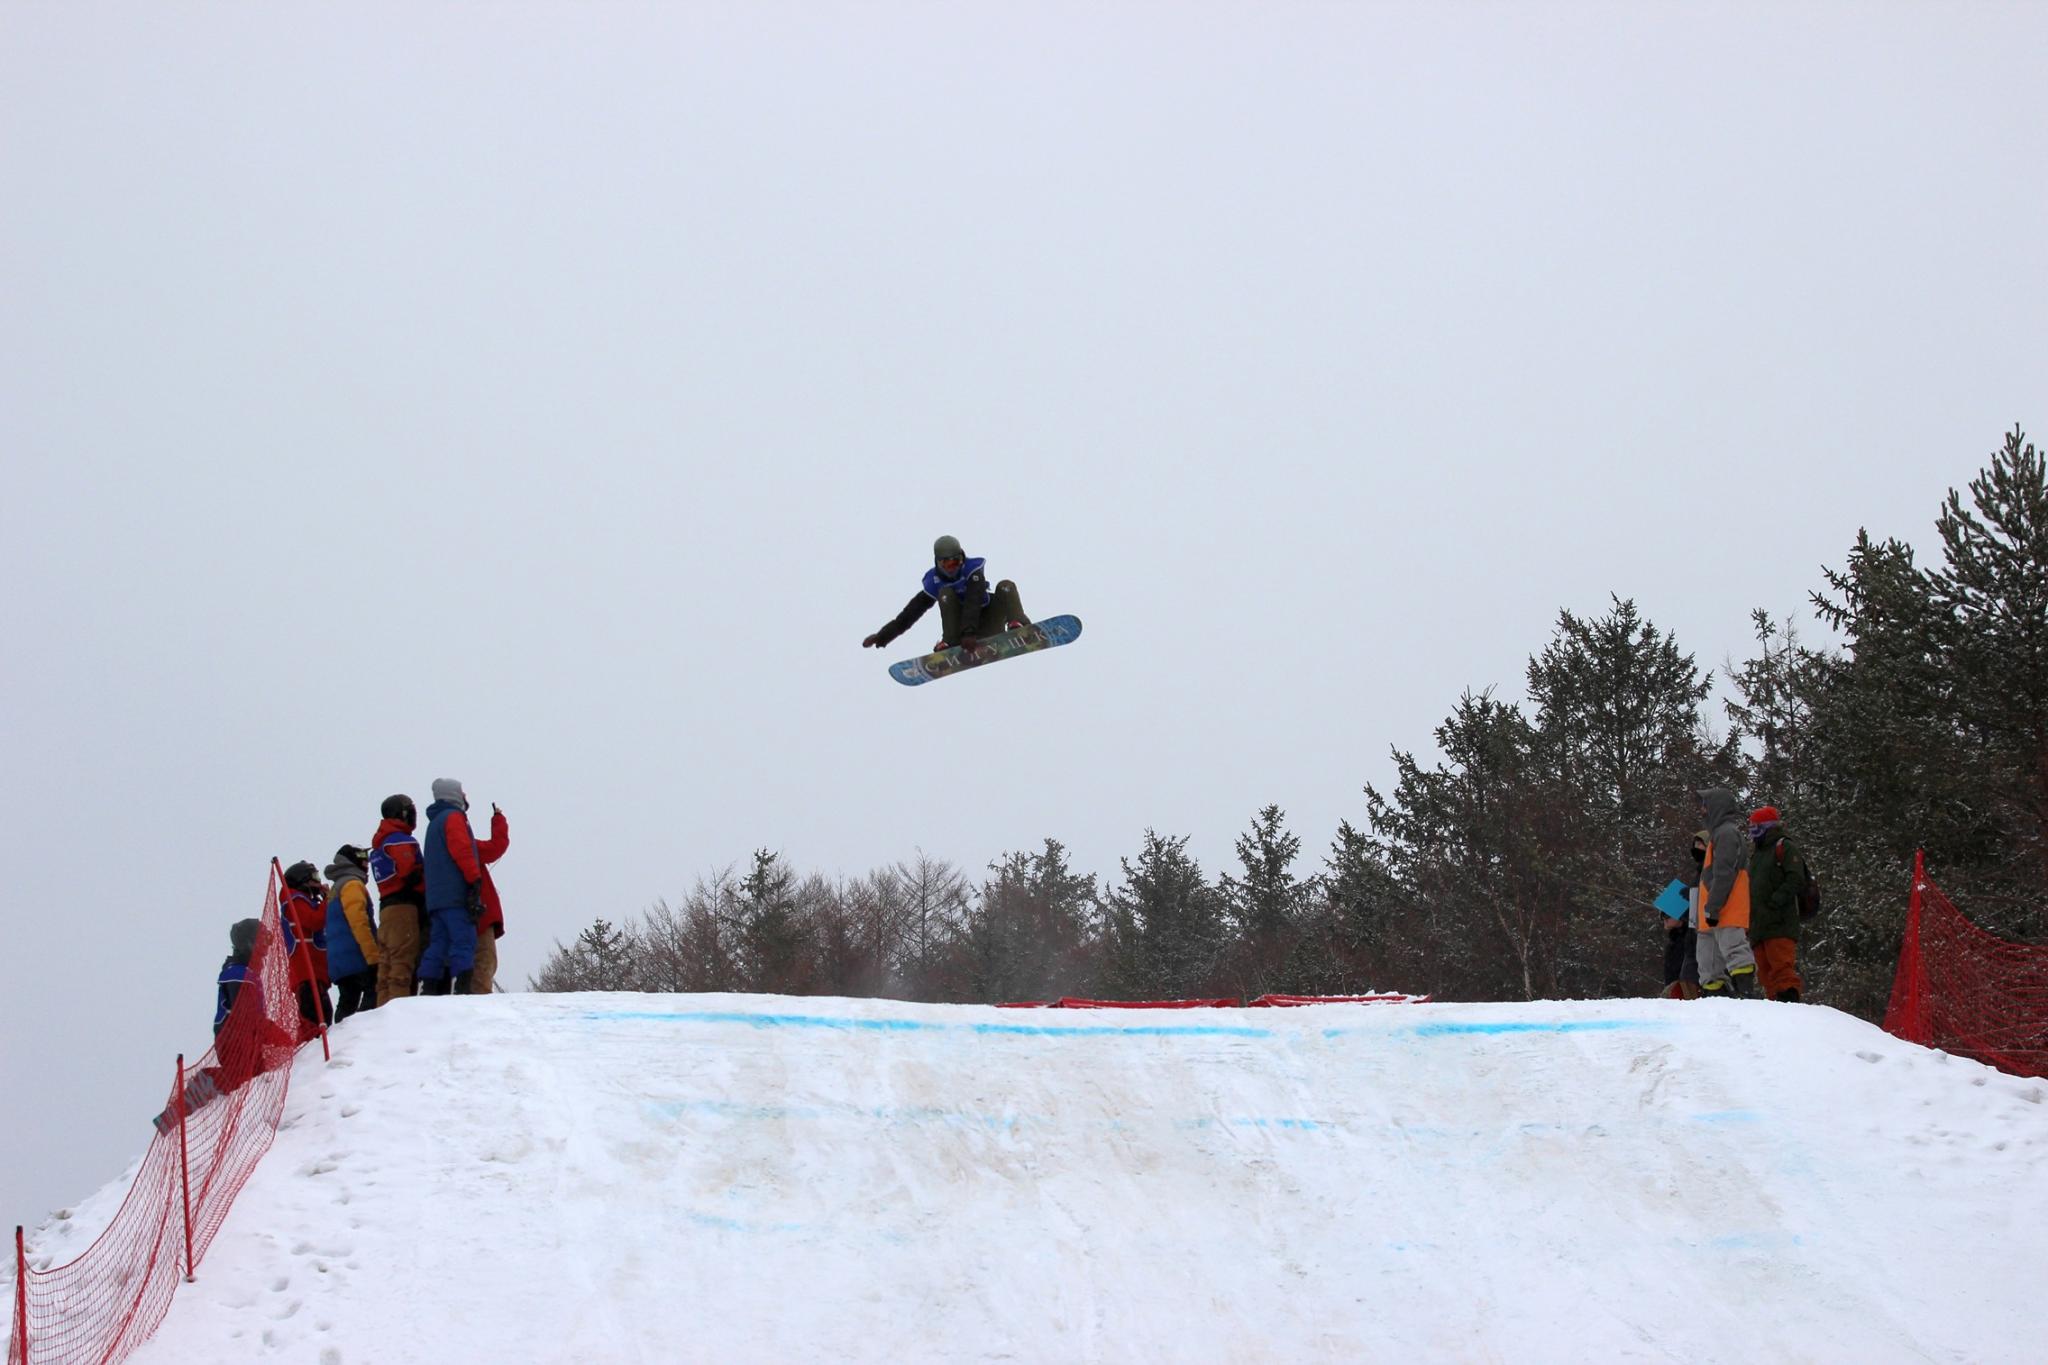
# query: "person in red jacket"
302,910
490,921
401,879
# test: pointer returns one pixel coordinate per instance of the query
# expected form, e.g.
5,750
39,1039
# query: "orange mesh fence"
215,1125
1966,991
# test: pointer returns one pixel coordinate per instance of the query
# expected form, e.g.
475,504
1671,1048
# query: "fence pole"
20,1297
185,1167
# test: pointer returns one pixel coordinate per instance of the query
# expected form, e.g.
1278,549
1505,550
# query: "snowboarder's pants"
398,948
1777,961
1003,607
451,943
358,991
486,970
1722,951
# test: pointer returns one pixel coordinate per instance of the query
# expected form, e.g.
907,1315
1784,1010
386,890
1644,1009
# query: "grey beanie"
448,789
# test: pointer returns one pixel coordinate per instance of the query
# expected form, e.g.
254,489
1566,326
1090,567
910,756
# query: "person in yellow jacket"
1721,905
352,953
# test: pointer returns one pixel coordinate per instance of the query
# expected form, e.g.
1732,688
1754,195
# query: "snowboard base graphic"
1046,634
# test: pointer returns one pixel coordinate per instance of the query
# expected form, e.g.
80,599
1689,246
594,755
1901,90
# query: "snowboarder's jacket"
1777,872
970,585
1724,878
395,863
450,854
303,918
351,924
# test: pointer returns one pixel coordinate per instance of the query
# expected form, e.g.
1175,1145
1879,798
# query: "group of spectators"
432,929
1749,889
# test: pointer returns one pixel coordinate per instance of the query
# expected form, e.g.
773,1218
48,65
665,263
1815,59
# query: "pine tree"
1265,903
1166,924
774,939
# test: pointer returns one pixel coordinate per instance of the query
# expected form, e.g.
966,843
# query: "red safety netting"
1385,998
216,1123
1966,991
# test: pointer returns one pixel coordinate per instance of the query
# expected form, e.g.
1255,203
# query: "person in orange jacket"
1721,906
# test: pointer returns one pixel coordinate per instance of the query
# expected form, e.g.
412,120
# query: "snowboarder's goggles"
956,562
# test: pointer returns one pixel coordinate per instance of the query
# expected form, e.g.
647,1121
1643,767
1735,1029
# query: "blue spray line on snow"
1438,1029
820,1021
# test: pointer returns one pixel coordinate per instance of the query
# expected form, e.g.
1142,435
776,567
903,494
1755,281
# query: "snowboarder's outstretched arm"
905,619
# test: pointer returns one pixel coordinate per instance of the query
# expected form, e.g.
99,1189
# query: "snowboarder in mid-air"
969,610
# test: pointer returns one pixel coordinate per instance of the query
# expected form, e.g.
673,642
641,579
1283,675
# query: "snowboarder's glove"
872,642
1714,919
473,902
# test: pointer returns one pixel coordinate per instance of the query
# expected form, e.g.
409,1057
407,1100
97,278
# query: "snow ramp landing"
603,1178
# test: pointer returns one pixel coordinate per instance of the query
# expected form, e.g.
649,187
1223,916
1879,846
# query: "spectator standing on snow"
351,932
301,910
490,923
233,972
455,875
1777,874
402,897
1681,940
1727,967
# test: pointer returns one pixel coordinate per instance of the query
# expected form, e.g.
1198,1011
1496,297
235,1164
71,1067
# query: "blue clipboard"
1674,900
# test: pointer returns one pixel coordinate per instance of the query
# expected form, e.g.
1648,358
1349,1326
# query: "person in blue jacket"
455,875
969,610
352,955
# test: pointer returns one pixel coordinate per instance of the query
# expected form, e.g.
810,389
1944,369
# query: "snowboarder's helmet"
301,874
947,547
400,807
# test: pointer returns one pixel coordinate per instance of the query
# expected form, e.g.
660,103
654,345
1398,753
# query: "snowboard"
1052,631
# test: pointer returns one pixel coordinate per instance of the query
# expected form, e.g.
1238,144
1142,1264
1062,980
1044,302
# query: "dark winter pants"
1681,954
451,943
320,1012
358,992
1003,607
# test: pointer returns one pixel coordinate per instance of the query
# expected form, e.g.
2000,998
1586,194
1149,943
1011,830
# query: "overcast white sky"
552,396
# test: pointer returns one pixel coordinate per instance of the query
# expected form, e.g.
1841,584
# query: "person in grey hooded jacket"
1721,905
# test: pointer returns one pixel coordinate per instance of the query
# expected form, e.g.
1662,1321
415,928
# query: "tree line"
1517,863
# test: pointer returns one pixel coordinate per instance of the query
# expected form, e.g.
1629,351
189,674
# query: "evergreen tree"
1166,925
774,938
1265,903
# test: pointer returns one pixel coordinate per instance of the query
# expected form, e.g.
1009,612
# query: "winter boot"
1742,982
1714,990
1790,995
437,986
462,980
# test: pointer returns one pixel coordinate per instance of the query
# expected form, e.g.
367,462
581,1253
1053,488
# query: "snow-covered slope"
725,1178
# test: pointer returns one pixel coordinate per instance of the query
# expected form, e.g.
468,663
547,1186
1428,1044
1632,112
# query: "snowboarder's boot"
1790,995
462,980
1742,983
436,986
1714,990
